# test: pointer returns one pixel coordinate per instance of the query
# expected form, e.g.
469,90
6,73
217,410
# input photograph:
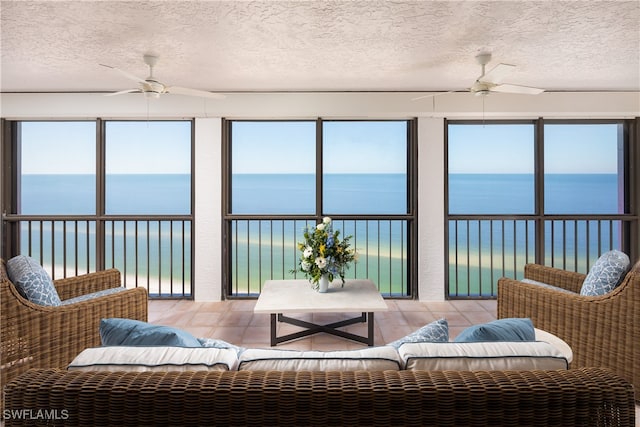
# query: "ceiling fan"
152,88
492,81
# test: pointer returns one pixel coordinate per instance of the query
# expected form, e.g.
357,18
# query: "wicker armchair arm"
591,397
568,280
72,287
552,310
40,337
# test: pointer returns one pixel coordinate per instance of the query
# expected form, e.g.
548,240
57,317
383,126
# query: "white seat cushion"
382,358
139,359
558,343
482,356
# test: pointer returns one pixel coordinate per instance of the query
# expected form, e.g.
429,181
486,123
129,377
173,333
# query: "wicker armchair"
35,336
603,331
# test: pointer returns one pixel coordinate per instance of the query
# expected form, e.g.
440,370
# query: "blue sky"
510,148
350,147
132,147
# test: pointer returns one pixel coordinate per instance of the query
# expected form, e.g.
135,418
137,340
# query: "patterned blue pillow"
437,331
98,294
32,281
605,274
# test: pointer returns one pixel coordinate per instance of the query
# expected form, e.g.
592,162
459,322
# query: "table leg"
274,326
312,328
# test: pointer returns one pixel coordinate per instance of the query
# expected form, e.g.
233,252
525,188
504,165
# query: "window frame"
412,203
631,236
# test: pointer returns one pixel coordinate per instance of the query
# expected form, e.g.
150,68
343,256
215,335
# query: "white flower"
321,262
320,226
308,251
326,220
305,265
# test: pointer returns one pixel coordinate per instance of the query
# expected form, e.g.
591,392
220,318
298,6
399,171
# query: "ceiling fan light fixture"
151,95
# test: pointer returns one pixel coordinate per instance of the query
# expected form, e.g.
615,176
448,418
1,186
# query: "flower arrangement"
324,253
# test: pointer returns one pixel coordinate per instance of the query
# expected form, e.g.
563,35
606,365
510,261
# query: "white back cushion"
369,359
482,356
139,359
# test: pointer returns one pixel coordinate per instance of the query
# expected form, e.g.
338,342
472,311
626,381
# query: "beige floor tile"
235,322
235,318
454,318
205,318
260,319
200,331
468,305
440,306
218,306
232,334
243,305
476,317
418,319
390,317
490,305
256,334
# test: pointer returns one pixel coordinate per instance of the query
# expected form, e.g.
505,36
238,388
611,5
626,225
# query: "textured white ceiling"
230,46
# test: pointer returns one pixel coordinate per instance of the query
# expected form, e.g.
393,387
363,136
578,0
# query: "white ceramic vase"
323,283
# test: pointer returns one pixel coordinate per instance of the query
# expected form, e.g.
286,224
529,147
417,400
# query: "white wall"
208,139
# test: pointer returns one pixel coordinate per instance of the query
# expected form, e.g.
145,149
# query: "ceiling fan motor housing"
152,88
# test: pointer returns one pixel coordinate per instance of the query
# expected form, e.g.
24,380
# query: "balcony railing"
154,252
266,248
483,248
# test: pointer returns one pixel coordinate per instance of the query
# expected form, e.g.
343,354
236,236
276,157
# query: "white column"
207,229
431,197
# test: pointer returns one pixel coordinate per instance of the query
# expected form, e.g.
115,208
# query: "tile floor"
235,322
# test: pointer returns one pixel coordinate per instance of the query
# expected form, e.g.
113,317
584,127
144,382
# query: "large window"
148,167
57,168
273,166
285,175
91,195
491,168
515,197
364,167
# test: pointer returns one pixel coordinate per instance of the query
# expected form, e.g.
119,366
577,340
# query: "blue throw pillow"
117,331
32,281
510,329
437,331
607,273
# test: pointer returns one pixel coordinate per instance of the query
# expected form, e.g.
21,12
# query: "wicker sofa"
584,397
602,331
36,336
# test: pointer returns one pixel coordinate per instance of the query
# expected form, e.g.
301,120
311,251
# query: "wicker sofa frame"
35,336
602,331
584,397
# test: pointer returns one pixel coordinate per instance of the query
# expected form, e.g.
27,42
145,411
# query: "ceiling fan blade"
122,92
431,95
497,73
127,75
177,90
525,90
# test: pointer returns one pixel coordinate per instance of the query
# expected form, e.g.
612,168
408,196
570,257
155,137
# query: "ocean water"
343,194
382,244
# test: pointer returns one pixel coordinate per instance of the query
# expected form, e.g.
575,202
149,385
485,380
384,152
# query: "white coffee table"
297,296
